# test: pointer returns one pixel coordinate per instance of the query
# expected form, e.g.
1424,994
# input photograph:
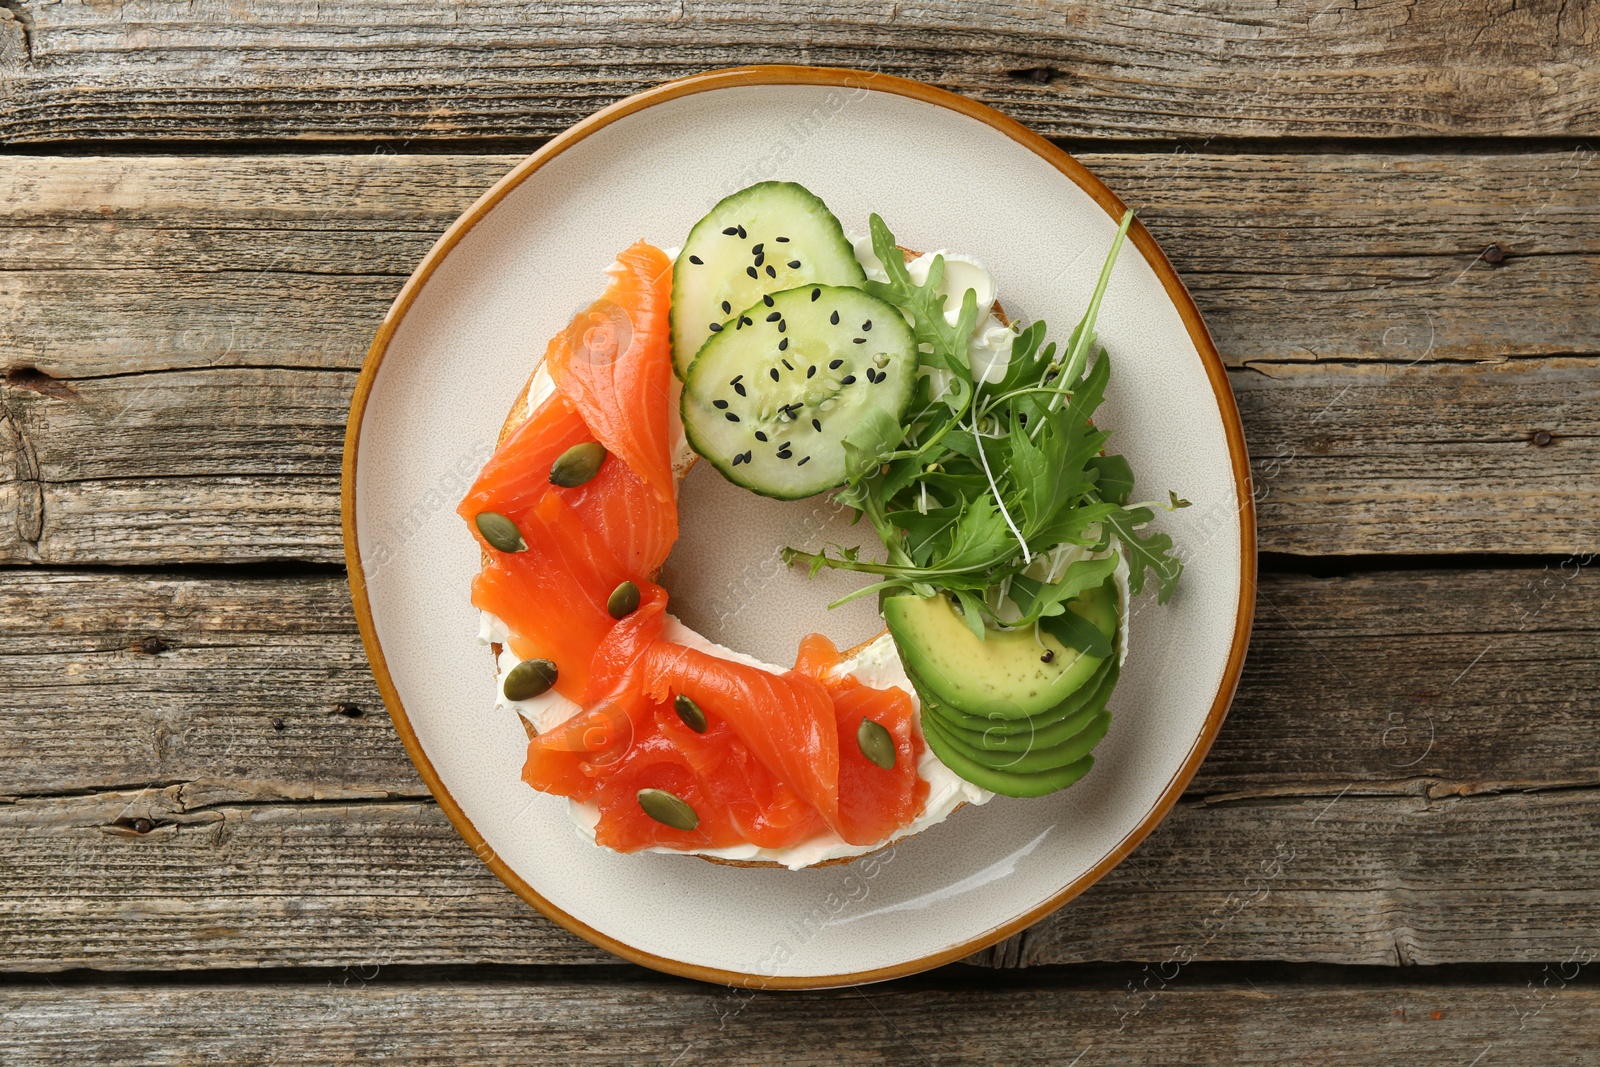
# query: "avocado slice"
1039,759
1004,675
1037,732
1083,698
1006,783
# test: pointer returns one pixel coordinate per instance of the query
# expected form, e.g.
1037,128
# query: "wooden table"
212,846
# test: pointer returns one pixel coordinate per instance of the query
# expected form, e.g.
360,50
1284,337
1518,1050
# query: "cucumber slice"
770,398
764,239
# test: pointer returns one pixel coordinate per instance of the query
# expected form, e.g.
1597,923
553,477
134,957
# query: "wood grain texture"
1407,776
1524,1015
181,336
240,464
1349,879
151,263
254,689
292,69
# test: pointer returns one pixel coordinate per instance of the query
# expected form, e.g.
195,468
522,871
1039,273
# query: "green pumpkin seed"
667,809
624,600
690,713
500,532
529,678
577,464
876,744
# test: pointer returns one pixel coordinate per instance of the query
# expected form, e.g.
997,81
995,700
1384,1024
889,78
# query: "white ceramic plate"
462,338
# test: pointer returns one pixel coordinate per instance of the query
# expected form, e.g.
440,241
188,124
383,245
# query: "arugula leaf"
924,530
983,477
980,536
972,612
1114,478
869,441
1037,600
1153,551
1075,631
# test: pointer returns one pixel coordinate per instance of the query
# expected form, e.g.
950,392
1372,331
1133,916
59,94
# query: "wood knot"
1037,75
35,380
152,646
277,724
349,710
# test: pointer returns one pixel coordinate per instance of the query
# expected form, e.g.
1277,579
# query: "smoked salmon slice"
778,762
613,363
786,720
624,513
873,801
552,597
615,504
517,476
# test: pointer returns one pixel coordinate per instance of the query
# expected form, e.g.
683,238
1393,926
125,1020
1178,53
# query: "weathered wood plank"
278,69
1444,681
1350,879
240,689
257,282
241,464
1440,458
146,263
1521,1015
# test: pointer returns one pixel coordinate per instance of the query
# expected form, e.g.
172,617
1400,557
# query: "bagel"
684,459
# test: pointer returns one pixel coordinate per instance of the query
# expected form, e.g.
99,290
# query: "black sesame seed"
774,373
810,371
730,416
696,260
742,234
732,231
858,340
781,240
872,376
719,404
815,293
816,424
848,379
783,344
785,454
803,462
760,436
836,364
716,327
751,271
786,363
738,387
746,320
757,249
834,318
794,264
771,273
727,308
747,456
761,257
867,325
782,325
766,299
774,316
737,460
